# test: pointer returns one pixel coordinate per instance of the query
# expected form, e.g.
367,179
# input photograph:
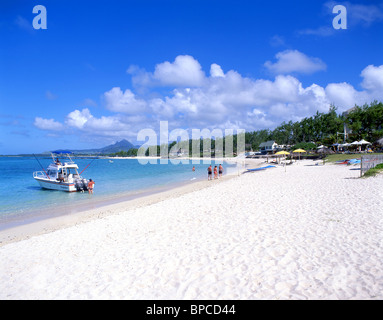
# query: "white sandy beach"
312,232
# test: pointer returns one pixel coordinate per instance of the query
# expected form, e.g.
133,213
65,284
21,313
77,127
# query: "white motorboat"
61,175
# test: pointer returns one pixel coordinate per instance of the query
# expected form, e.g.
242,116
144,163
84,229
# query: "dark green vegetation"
374,171
345,156
366,122
130,153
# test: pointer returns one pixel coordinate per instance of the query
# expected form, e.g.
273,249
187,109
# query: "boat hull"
56,185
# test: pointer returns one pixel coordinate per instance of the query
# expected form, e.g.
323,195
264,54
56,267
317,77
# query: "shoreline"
18,231
43,220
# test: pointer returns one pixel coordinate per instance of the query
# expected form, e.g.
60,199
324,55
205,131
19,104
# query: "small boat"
61,175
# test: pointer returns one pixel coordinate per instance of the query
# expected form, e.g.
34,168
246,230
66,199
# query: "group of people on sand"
216,170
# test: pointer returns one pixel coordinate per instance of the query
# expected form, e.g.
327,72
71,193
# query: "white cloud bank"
125,102
220,100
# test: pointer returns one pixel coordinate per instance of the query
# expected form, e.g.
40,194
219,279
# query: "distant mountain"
123,145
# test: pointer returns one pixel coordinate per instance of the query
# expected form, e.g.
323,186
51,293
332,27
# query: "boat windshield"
52,172
64,156
71,171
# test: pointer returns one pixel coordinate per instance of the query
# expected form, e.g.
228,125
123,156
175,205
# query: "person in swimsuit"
90,186
209,173
220,170
215,172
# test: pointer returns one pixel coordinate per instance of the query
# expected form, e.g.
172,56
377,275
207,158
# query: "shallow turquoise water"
22,199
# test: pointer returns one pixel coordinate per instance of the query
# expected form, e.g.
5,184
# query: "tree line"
363,122
196,147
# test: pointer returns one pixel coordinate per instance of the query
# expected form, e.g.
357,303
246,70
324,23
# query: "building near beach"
268,146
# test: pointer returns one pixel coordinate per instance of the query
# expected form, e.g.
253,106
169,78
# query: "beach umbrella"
355,143
360,143
325,151
364,142
380,141
282,152
285,153
299,151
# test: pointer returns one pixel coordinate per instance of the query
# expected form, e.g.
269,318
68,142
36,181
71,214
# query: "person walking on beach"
209,173
90,186
215,172
220,170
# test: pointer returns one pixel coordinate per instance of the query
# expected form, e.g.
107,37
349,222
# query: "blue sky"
104,70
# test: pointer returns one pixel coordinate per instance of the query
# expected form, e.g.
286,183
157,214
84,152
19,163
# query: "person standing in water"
209,173
90,186
220,170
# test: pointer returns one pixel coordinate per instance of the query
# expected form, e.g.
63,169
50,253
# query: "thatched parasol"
325,151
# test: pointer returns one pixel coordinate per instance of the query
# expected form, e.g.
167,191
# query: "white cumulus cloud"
184,71
290,61
47,124
373,78
78,118
125,102
216,71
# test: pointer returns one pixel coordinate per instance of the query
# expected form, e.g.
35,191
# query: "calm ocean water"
22,199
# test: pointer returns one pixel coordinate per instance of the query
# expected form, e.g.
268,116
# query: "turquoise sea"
22,200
